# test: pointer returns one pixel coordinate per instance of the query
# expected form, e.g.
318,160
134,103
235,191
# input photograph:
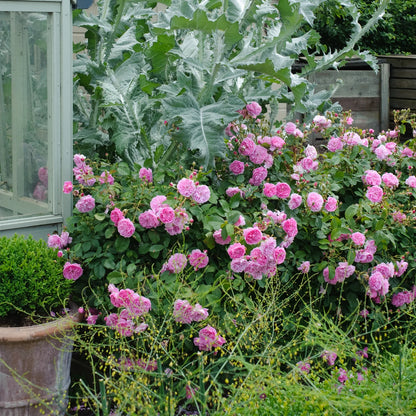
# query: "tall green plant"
181,72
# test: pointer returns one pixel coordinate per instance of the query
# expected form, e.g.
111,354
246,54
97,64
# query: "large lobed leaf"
201,129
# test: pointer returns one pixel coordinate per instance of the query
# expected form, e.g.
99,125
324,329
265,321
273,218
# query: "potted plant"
34,321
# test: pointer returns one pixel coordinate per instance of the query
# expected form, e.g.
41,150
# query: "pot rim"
37,331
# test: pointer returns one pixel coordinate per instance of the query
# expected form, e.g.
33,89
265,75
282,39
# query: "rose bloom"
106,177
331,204
290,128
283,190
198,259
304,267
334,144
201,194
374,194
276,142
411,181
358,238
390,180
182,311
236,250
279,255
269,189
236,167
166,214
146,175
234,190
85,204
199,313
218,239
258,176
311,152
295,201
54,241
246,147
148,219
258,155
186,187
290,227
116,215
314,201
238,265
67,187
253,109
208,339
372,177
157,203
240,222
72,271
252,235
125,227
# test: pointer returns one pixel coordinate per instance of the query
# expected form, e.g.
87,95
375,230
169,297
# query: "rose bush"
339,217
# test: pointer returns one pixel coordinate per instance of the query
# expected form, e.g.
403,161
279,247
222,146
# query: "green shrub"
395,33
31,277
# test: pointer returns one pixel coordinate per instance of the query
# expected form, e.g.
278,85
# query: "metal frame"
59,99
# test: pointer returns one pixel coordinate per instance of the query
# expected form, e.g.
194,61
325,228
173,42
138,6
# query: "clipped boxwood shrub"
31,280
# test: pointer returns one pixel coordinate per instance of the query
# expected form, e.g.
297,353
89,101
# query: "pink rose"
276,142
314,201
198,259
201,194
253,109
106,177
304,267
283,190
208,339
148,219
67,187
269,190
72,271
252,235
182,311
125,227
290,227
390,180
258,176
290,128
311,152
218,239
279,255
199,313
116,215
372,177
236,250
157,203
331,204
374,194
358,238
176,263
236,167
85,204
238,265
166,214
258,155
146,175
54,241
186,187
335,144
295,201
247,147
411,181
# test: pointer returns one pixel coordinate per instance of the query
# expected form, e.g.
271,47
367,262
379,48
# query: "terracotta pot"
35,368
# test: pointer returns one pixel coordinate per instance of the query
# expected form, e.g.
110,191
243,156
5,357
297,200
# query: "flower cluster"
208,339
133,306
185,313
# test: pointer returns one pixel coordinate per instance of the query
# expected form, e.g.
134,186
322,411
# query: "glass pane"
24,114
